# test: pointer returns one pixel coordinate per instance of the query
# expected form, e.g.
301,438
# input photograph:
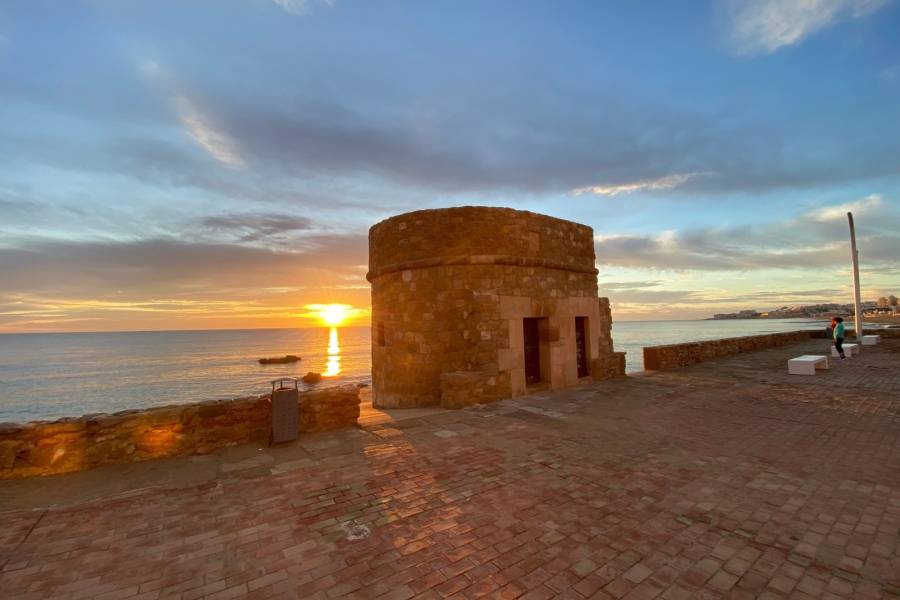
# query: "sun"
334,314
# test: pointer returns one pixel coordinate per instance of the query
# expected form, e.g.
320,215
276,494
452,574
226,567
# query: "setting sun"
334,314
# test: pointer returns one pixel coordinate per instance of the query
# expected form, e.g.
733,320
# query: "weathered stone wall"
75,444
450,288
672,356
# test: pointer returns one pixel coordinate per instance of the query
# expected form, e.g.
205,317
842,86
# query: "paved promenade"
723,480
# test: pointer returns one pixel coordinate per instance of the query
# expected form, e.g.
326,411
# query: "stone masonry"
674,356
451,290
76,444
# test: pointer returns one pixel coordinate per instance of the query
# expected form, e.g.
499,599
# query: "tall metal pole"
855,256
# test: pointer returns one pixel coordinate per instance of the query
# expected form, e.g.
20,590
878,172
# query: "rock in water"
282,360
312,377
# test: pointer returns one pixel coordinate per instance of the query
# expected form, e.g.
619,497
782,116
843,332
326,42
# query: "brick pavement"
723,480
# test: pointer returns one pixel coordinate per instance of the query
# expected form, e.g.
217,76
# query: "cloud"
662,183
212,139
702,303
300,7
169,283
813,240
890,74
631,146
304,144
788,296
645,297
629,285
150,268
520,148
839,212
764,26
269,227
197,123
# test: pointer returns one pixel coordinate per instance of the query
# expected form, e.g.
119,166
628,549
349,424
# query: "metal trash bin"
285,410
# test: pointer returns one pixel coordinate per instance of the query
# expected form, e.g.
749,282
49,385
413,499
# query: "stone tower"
475,304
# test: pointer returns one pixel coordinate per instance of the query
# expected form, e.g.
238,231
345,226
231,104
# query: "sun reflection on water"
333,365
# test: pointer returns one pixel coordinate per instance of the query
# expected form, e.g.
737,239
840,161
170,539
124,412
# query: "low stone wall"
672,356
608,366
79,443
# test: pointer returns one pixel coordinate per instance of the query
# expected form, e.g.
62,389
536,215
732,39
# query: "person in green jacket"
837,326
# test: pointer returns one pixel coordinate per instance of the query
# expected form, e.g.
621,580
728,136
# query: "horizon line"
352,326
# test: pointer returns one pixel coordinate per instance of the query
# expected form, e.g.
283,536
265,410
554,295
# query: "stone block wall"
608,366
661,358
460,389
79,443
672,356
450,290
329,408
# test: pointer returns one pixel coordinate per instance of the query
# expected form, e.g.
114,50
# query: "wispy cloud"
764,26
300,7
165,283
199,126
629,285
839,212
812,240
195,121
890,74
662,183
267,227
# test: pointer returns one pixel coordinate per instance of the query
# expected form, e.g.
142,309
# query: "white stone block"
807,364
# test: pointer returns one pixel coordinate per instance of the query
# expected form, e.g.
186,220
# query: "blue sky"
217,164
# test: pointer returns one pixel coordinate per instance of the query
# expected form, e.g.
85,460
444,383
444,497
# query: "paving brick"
720,480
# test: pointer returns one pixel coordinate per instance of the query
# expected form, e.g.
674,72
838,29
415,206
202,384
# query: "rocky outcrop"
312,377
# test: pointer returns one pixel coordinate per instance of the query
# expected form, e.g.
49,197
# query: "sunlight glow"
333,366
334,314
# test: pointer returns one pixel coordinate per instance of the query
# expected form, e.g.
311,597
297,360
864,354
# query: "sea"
52,375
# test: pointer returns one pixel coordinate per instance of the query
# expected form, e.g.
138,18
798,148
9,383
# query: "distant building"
744,314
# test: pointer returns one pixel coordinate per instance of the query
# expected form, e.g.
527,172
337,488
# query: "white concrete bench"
871,340
849,350
807,364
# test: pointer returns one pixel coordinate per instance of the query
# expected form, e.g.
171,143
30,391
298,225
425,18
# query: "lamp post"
857,303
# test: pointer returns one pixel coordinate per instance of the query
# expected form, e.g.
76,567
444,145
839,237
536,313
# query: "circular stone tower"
474,304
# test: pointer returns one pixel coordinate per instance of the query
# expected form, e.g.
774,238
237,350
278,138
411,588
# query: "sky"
217,163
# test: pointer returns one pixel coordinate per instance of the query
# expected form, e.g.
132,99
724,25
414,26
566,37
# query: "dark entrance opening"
581,347
532,333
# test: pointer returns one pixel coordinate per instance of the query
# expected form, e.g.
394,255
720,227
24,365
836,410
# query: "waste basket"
285,410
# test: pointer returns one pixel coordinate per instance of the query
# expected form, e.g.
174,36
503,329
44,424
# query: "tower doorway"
536,353
581,346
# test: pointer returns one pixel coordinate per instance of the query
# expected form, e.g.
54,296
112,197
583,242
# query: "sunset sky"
206,164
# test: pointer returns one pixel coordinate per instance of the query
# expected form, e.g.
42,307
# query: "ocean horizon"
53,375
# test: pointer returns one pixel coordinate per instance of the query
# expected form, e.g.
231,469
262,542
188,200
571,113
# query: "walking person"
838,328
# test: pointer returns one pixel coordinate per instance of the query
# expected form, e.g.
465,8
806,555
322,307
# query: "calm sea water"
52,375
